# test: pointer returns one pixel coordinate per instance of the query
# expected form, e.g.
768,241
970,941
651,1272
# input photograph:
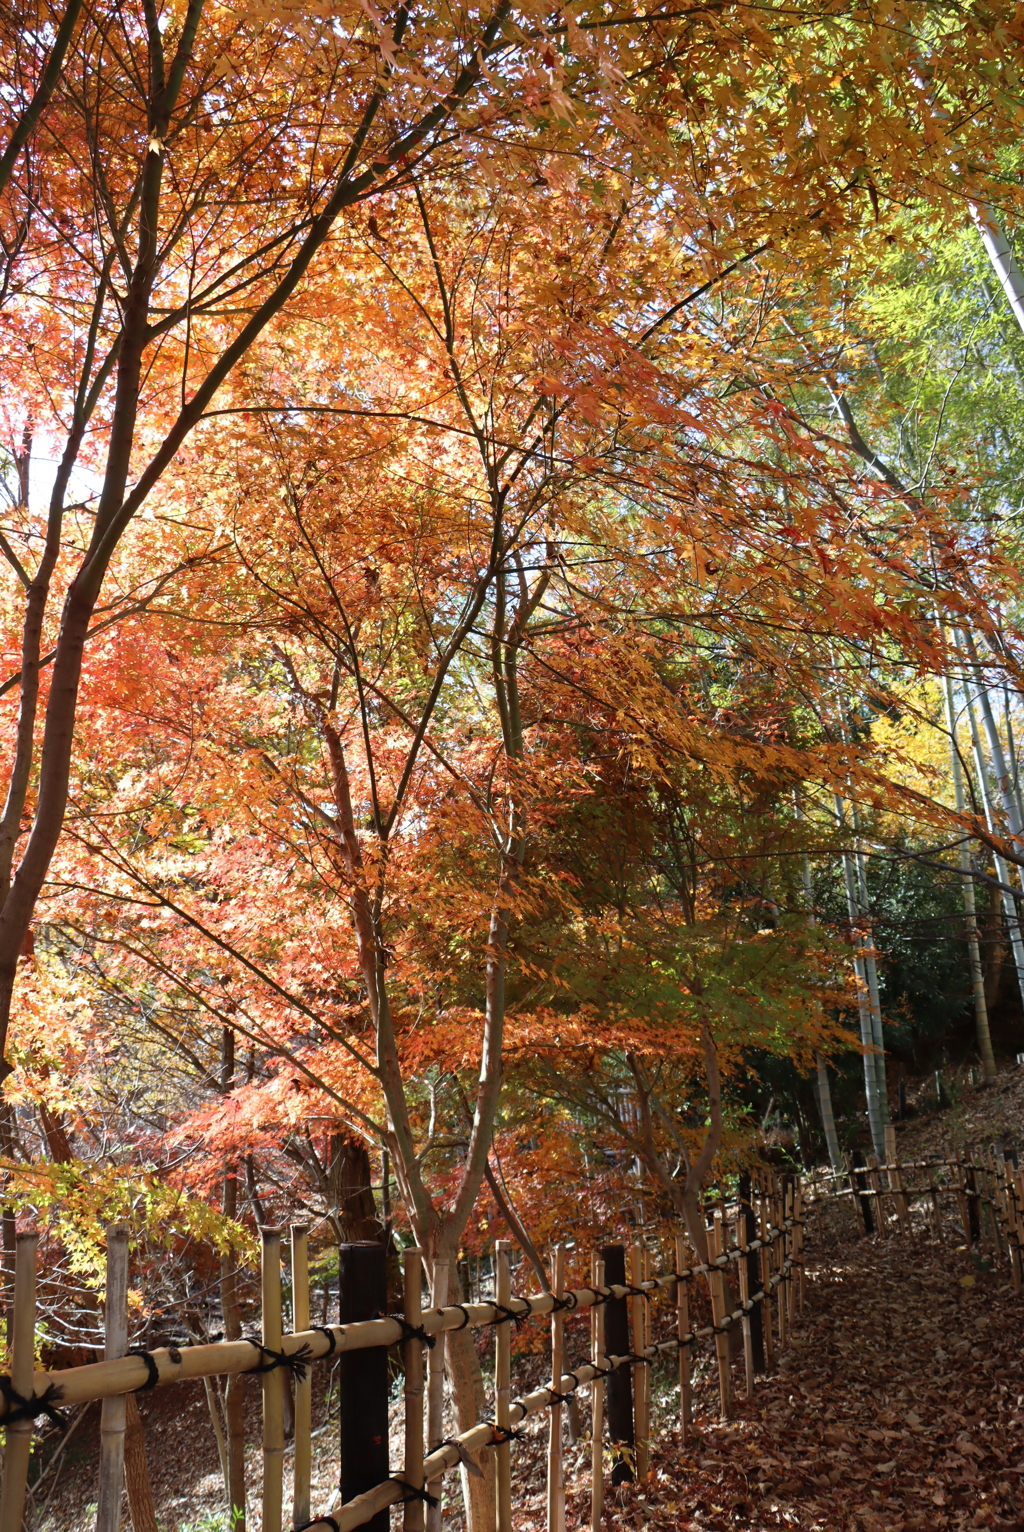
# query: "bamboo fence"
982,1187
764,1239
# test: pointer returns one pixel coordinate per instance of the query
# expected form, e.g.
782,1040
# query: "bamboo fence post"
796,1303
974,1223
936,1217
875,1182
596,1404
435,1376
412,1472
21,1330
961,1199
896,1180
977,1154
995,1198
503,1385
779,1246
748,1340
682,1331
766,1279
303,1459
1012,1219
793,1250
112,1411
718,1312
753,1266
641,1395
556,1481
273,1402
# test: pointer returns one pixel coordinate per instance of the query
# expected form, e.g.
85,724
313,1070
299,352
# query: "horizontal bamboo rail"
777,1254
355,1513
173,1364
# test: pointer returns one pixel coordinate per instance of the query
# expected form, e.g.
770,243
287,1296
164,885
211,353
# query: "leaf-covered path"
899,1404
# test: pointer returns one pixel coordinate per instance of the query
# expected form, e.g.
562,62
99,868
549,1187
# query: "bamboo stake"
641,1372
936,1216
682,1331
273,1383
1012,1220
718,1313
22,1332
781,1249
748,1339
303,1460
875,1183
995,1201
412,1473
596,1403
896,1179
796,1288
503,1385
112,1412
435,1375
766,1277
556,1481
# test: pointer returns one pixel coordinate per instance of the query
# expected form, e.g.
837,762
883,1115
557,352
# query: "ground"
899,1403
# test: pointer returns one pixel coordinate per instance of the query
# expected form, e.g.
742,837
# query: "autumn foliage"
438,618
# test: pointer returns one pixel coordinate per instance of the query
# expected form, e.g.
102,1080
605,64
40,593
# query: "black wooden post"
973,1200
363,1377
620,1382
754,1280
860,1181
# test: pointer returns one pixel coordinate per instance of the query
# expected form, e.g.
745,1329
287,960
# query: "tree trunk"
349,1189
828,1121
981,1026
234,1387
466,1385
136,1470
876,1113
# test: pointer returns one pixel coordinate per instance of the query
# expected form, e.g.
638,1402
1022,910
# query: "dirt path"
900,1404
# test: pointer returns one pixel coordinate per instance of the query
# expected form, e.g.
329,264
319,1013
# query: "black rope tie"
557,1398
503,1434
321,1521
296,1361
21,1408
331,1347
466,1316
411,1493
152,1370
567,1301
506,1315
413,1332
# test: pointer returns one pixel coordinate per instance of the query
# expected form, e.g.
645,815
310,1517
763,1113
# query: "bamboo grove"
512,665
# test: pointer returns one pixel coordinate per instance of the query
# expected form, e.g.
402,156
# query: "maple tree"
423,536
